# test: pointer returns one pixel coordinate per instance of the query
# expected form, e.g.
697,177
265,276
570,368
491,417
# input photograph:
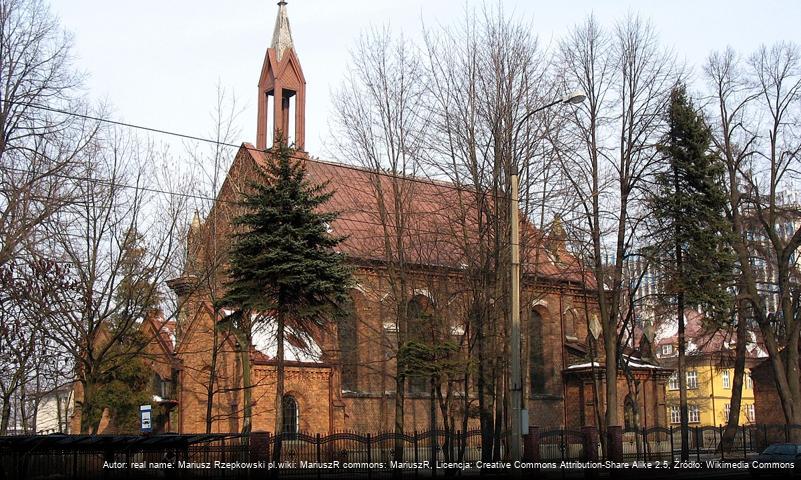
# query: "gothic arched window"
628,413
419,330
290,414
536,354
348,347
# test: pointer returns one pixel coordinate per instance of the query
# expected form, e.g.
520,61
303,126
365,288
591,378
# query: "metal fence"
344,453
704,442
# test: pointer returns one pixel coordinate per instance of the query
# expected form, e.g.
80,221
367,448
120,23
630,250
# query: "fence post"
589,436
720,443
698,441
319,454
614,443
258,448
433,438
671,444
745,454
369,458
531,444
416,456
644,445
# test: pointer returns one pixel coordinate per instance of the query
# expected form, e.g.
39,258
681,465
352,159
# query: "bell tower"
282,91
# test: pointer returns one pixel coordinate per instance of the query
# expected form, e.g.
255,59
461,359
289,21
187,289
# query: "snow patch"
265,341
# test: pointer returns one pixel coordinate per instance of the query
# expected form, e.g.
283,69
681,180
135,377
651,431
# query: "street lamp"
515,450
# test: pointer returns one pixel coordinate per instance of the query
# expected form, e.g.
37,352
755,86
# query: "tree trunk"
245,337
727,442
682,373
88,406
212,375
279,386
682,367
610,360
5,419
484,401
432,411
247,385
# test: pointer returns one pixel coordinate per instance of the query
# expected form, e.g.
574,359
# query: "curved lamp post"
515,449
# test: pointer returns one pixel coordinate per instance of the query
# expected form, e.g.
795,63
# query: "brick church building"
342,378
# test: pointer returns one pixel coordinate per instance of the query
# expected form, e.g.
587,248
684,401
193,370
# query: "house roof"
436,214
703,339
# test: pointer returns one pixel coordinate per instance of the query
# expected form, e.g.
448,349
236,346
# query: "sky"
158,63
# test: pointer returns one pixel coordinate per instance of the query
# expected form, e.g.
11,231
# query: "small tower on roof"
282,90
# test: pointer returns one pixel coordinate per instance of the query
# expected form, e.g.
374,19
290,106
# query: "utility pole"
515,376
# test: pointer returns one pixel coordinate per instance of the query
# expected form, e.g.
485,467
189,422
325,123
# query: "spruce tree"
284,266
688,210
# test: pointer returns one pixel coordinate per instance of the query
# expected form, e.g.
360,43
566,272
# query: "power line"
116,122
220,143
112,183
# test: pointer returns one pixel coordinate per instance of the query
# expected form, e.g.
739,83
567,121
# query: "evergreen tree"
688,210
283,265
123,386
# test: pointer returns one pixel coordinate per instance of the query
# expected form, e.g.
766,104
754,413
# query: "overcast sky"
157,62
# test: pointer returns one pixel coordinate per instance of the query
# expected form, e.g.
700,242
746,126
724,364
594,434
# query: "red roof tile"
435,215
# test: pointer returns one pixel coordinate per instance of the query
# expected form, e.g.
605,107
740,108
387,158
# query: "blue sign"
145,418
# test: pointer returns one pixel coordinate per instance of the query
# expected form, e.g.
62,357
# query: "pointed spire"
282,35
196,220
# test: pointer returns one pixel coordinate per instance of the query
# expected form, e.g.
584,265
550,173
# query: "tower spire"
282,91
282,34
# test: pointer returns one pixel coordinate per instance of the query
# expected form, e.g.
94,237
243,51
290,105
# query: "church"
343,378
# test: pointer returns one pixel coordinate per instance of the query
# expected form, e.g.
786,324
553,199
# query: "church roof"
282,34
436,214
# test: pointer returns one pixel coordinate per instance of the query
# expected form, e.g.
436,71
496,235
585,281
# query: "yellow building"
710,373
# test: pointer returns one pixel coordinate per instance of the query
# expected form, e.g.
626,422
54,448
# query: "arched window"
348,347
536,354
420,330
290,413
628,413
571,322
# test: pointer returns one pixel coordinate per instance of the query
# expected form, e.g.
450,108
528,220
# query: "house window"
750,414
675,414
726,411
726,380
694,414
290,414
667,350
673,383
749,382
692,379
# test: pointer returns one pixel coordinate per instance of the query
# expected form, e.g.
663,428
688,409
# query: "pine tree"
284,266
688,210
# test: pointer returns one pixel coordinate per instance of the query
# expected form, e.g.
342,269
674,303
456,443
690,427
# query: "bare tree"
485,76
27,356
627,78
207,242
119,253
40,149
755,112
382,126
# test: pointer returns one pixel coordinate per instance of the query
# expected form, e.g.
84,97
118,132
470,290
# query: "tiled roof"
436,213
705,339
